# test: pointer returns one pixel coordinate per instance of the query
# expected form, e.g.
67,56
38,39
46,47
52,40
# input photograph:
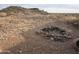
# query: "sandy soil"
18,33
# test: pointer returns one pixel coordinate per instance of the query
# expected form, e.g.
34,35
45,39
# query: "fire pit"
55,33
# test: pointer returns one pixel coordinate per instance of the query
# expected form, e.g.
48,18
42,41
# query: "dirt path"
37,44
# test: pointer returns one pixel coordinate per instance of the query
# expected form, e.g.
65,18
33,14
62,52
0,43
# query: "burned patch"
55,33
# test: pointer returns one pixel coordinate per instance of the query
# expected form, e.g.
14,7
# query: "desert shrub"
39,11
36,9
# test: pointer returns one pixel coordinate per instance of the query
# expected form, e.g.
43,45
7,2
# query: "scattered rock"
55,33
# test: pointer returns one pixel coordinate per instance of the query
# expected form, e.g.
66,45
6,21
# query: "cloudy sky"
67,8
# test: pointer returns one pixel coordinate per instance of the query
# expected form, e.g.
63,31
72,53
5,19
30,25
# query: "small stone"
52,38
52,34
20,51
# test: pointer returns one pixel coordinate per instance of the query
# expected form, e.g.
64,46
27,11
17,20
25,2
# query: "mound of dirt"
11,10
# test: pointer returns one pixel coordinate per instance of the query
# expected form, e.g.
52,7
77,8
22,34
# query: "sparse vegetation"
15,9
19,31
11,9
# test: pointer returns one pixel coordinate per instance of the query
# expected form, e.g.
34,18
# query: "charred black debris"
55,33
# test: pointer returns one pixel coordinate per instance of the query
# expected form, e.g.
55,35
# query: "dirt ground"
19,33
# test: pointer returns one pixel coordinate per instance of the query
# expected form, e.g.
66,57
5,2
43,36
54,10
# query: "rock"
56,33
52,38
20,51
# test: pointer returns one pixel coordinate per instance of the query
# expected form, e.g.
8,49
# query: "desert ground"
34,31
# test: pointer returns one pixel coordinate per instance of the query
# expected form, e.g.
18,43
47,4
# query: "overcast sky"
48,7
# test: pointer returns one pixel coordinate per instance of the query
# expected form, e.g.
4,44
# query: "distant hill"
16,9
